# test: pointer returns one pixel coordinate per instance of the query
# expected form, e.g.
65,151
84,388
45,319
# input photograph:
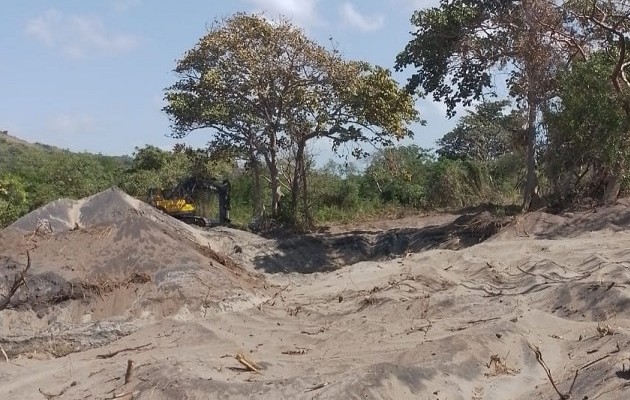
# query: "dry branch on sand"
129,371
297,351
272,299
317,387
18,281
249,364
114,353
4,353
498,366
61,393
604,330
539,358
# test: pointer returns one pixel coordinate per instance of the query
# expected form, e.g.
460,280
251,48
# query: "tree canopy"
264,86
459,45
484,134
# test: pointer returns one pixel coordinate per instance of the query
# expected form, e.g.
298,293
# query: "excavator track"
194,220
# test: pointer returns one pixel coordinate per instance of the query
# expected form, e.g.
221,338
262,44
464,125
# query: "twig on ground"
63,391
272,298
604,329
18,281
498,366
316,387
119,395
369,301
593,362
129,371
297,351
249,364
4,353
205,304
393,283
113,353
321,330
542,363
477,321
489,292
423,328
41,225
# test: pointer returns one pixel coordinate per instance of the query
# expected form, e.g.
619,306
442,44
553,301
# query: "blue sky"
89,75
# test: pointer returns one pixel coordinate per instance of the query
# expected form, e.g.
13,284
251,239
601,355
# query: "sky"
89,75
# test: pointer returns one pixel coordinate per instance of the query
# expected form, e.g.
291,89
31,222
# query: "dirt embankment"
440,307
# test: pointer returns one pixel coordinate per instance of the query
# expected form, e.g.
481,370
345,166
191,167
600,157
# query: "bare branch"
18,281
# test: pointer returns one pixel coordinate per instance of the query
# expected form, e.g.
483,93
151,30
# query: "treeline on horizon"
478,162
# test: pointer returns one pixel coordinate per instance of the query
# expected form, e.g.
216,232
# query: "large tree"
605,26
458,47
264,86
587,148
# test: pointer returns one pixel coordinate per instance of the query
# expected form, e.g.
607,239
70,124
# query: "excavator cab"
180,201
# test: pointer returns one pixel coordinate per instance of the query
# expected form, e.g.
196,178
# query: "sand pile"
110,260
612,218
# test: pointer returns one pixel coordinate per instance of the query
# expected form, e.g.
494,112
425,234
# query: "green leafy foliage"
264,88
47,173
484,134
587,129
396,178
399,175
459,45
13,201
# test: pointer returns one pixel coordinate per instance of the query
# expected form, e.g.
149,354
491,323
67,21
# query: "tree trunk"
297,181
271,157
531,183
275,189
257,204
613,184
308,219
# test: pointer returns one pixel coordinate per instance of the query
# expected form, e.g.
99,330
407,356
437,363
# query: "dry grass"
498,366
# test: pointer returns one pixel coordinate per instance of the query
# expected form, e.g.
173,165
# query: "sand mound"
112,257
613,218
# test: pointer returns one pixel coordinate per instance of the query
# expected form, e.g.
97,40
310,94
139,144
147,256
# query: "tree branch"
18,281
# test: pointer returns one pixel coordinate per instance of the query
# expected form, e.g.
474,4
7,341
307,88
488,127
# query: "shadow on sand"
322,252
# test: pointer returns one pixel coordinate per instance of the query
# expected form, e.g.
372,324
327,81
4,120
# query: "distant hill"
11,146
33,174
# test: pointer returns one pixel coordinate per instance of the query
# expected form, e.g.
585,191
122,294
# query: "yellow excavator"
179,202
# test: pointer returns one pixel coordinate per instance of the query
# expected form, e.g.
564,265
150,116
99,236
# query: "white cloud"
420,4
67,124
302,12
363,22
78,36
125,5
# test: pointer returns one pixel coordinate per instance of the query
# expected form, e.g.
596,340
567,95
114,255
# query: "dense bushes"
406,177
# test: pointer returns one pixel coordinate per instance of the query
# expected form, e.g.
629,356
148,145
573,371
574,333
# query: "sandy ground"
417,308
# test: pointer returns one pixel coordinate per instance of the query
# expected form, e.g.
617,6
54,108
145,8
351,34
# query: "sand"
418,308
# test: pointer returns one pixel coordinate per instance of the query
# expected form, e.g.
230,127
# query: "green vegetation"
395,180
43,173
545,49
